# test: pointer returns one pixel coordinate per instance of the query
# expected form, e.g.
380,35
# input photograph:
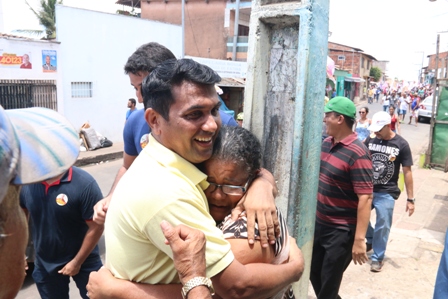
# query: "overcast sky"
393,30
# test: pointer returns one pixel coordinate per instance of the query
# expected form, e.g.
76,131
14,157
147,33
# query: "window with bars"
81,89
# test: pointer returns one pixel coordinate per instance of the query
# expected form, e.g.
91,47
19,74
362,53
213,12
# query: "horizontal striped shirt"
345,172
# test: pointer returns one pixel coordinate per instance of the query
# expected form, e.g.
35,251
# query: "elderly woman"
231,169
234,164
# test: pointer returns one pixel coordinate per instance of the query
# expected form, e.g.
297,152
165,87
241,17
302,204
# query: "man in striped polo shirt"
343,202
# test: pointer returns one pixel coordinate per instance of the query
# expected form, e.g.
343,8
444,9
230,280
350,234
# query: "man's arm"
259,204
236,281
100,209
363,217
91,238
409,184
188,246
103,285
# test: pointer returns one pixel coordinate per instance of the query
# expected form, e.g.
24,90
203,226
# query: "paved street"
415,243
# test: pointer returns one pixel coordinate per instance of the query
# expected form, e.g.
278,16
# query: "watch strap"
412,200
194,282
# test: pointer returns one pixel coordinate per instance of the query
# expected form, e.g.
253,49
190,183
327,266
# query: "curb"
98,159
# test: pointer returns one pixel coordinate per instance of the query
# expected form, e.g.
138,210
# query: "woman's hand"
259,204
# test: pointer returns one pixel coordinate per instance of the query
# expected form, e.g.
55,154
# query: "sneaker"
376,266
368,247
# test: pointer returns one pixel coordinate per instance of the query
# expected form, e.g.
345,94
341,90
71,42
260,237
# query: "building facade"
357,63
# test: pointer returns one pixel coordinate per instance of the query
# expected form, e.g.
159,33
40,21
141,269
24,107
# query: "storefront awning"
231,82
354,79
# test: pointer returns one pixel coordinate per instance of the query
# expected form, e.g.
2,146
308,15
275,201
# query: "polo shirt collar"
66,178
168,158
346,141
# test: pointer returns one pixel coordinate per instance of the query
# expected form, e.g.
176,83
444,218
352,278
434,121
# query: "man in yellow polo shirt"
164,184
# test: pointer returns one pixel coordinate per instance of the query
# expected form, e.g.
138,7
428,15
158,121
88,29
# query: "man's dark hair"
133,101
348,121
157,86
147,57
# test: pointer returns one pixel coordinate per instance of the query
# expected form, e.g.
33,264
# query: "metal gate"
16,94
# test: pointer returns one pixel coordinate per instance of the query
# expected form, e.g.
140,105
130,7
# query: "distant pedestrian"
385,102
64,235
404,104
389,151
415,105
394,121
362,124
377,93
343,201
370,95
131,107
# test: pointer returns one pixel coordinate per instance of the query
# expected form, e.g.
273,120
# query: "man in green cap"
343,202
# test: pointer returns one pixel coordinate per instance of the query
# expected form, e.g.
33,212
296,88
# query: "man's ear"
153,119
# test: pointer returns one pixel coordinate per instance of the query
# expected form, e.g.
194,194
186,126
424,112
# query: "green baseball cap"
341,105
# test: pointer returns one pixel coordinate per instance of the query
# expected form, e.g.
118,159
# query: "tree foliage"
47,18
376,73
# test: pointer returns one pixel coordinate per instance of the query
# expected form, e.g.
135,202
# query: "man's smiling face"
194,121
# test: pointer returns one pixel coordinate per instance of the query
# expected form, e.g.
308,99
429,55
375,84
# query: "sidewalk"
414,248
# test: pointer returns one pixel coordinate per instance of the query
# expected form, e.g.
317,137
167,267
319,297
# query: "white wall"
94,48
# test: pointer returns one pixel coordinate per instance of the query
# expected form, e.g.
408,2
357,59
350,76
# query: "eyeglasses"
229,189
362,112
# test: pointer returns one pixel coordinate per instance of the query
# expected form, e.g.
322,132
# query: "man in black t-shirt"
388,151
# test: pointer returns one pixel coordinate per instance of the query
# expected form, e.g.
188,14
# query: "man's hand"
259,204
99,283
359,254
188,246
100,210
410,207
70,269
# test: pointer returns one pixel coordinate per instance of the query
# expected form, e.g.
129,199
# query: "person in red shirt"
395,123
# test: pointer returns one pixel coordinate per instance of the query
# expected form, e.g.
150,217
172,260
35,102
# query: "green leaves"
46,16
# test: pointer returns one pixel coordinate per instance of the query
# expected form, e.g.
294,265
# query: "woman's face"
363,113
391,110
223,173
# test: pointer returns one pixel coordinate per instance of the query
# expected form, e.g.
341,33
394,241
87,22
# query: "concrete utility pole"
284,100
435,95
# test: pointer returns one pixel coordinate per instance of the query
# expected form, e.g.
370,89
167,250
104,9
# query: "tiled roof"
7,35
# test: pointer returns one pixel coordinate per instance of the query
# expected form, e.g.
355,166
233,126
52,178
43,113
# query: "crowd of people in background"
404,101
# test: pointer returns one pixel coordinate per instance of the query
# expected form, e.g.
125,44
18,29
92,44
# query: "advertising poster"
49,61
15,59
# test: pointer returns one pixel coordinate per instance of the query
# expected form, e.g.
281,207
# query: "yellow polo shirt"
160,185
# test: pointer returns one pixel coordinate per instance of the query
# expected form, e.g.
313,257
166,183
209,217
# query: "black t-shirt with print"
387,156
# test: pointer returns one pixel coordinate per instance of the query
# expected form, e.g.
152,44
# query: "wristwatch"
197,281
411,200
